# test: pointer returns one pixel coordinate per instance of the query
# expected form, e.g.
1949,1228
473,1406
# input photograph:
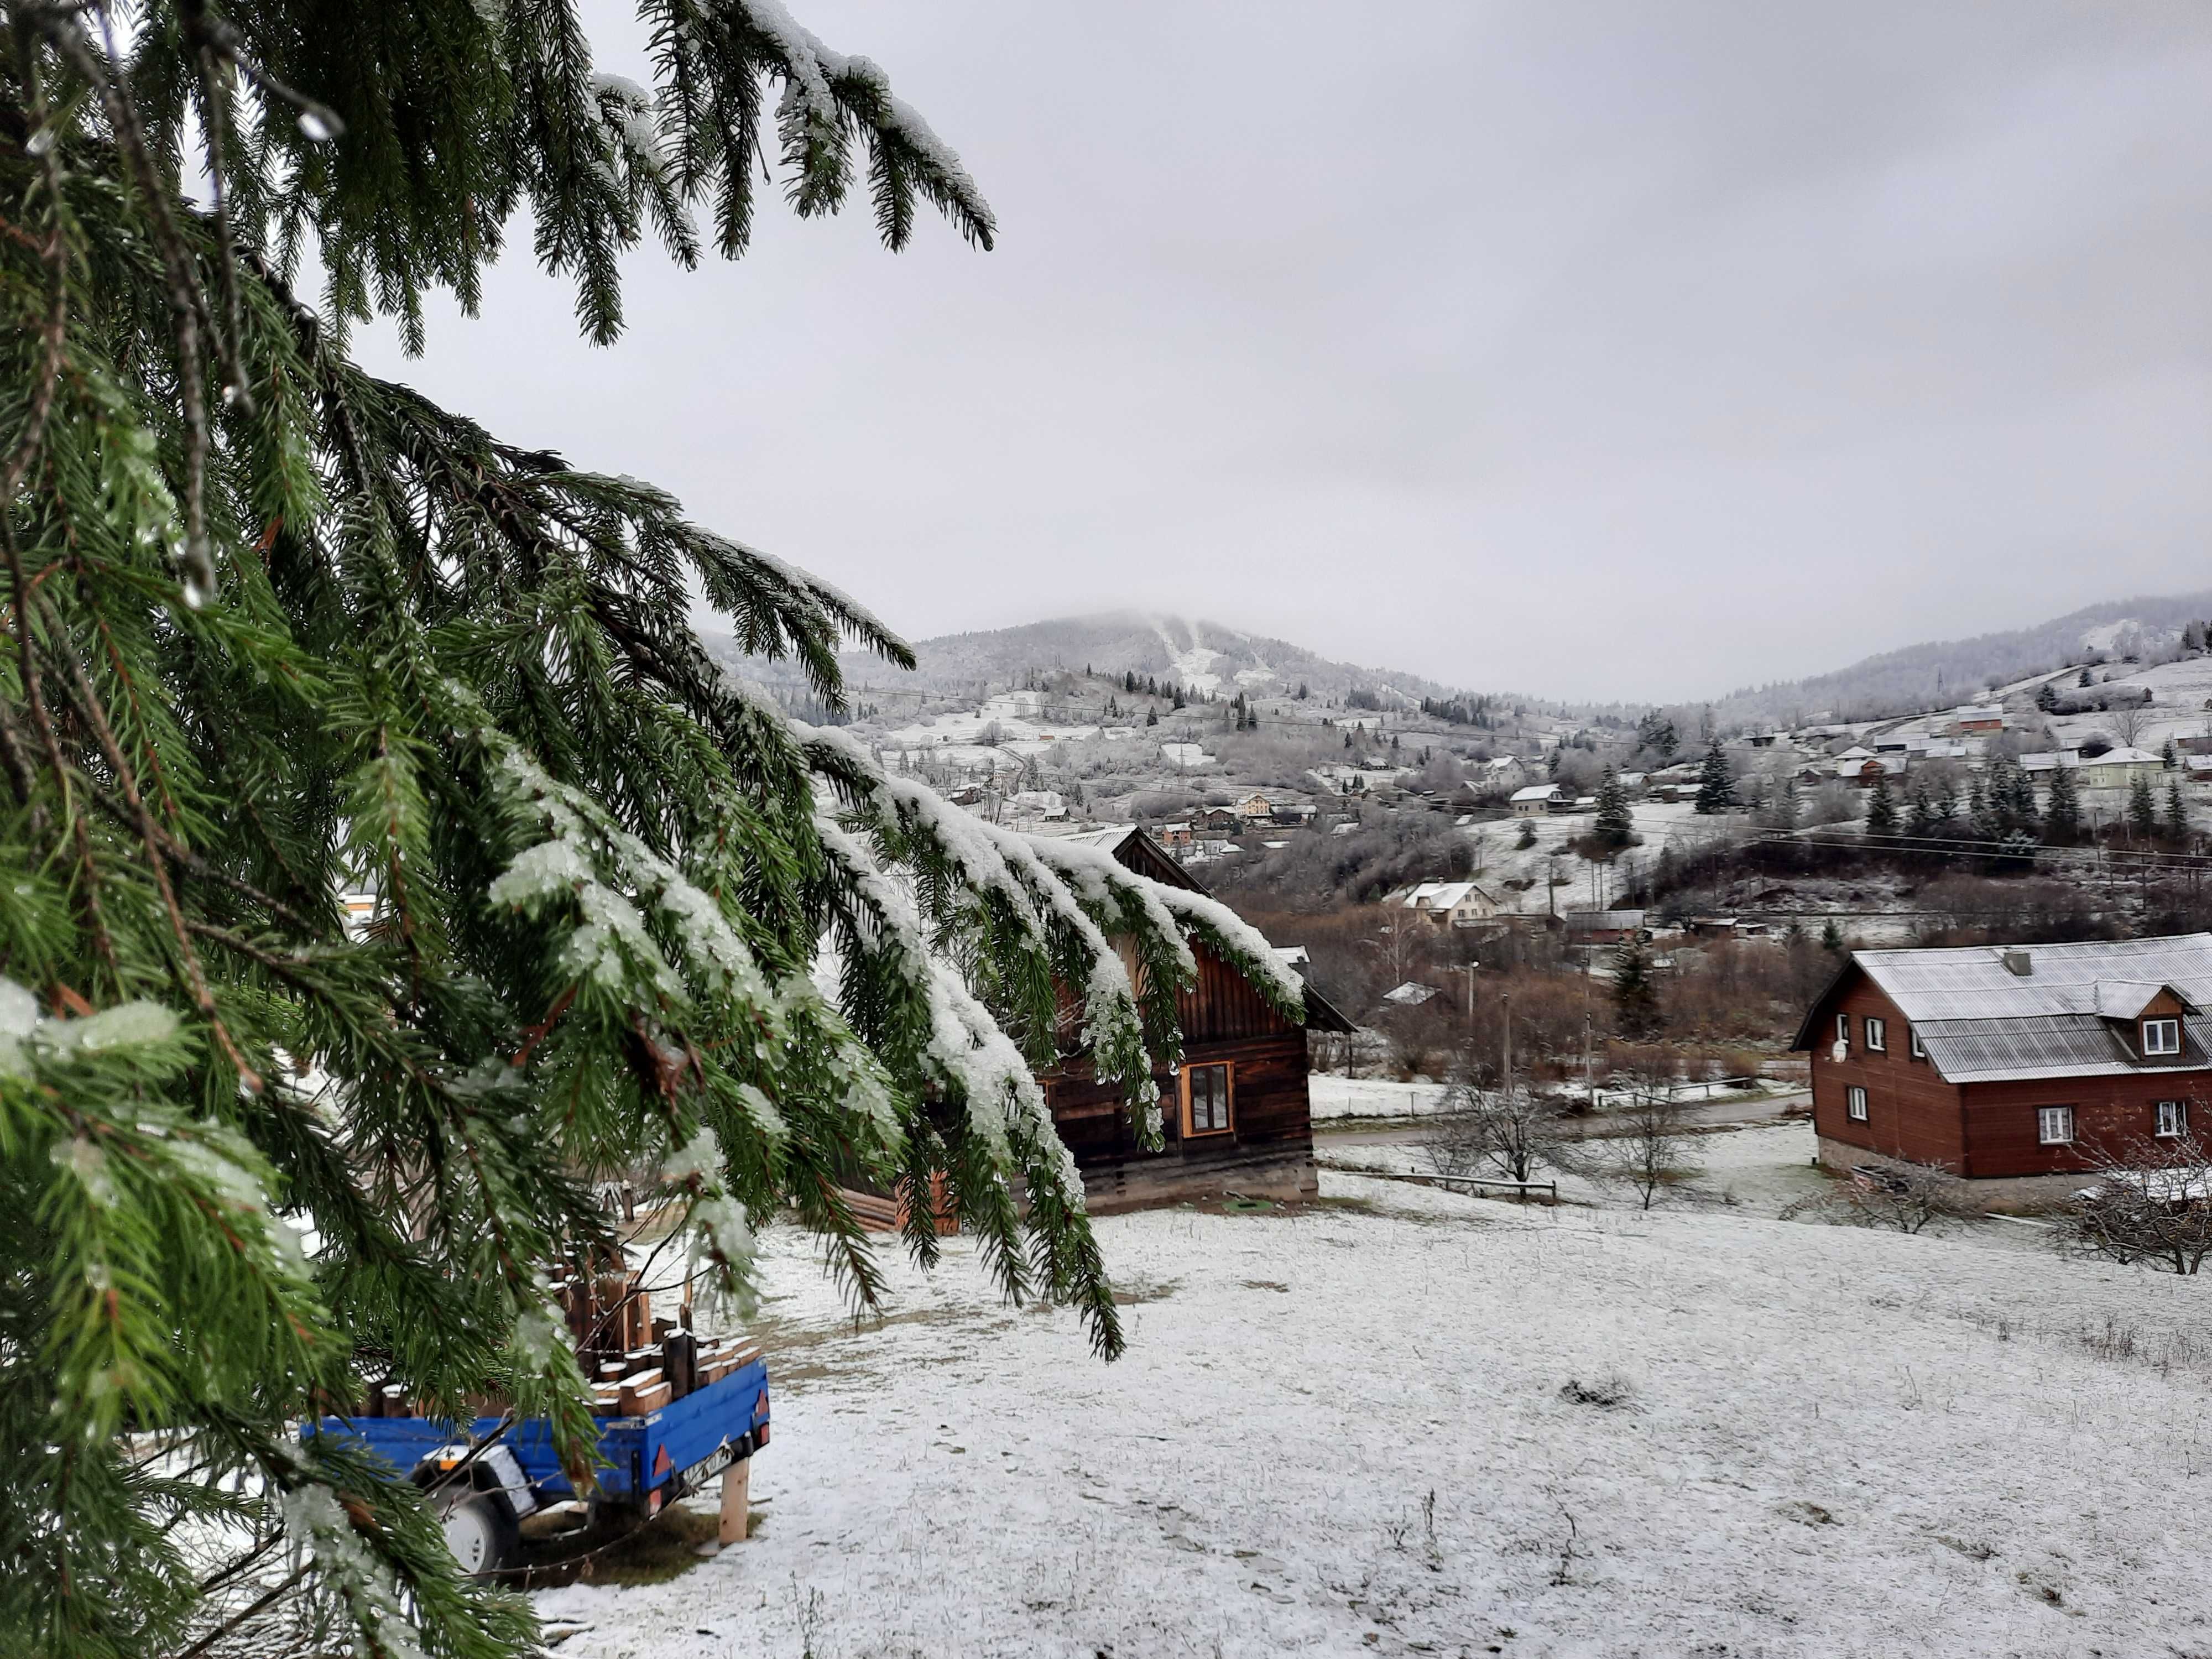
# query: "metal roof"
2048,1045
1582,921
1974,983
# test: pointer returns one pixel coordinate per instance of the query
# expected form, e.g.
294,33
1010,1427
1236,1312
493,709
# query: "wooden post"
736,1491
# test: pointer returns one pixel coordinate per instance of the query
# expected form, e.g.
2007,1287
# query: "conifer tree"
1635,999
279,631
2062,813
1716,782
2176,815
2142,810
1832,936
1614,827
1881,810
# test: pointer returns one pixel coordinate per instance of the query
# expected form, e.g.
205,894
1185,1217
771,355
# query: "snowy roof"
1602,921
1973,982
1441,895
2047,1045
2125,758
1410,994
1982,712
1856,751
1538,792
2050,759
2067,1016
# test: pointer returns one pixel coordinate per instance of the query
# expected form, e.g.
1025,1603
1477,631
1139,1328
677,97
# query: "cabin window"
2162,1036
1206,1104
1855,1104
2173,1118
1877,1034
1843,1028
2054,1126
1912,1037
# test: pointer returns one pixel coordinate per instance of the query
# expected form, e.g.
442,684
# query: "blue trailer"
648,1461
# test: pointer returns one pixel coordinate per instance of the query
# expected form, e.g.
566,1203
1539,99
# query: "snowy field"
1344,1431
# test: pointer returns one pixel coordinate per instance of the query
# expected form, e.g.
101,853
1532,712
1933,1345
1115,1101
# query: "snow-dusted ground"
1587,886
1378,1098
1343,1431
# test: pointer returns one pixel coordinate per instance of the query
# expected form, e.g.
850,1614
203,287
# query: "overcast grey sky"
1589,349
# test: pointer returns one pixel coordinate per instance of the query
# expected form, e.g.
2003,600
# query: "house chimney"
2020,962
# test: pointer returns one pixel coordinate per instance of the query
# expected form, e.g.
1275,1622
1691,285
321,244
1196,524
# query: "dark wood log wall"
1270,1147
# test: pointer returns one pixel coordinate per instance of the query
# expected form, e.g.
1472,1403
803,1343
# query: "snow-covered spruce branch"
914,827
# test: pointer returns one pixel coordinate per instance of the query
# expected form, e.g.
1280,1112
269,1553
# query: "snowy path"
1830,1447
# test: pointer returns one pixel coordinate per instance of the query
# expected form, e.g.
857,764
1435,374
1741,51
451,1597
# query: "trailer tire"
480,1530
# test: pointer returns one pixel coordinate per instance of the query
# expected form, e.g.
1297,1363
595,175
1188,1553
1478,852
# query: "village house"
1172,835
1865,774
2012,1066
1984,718
1592,927
1539,799
1449,903
1236,1115
1254,806
1218,820
2117,769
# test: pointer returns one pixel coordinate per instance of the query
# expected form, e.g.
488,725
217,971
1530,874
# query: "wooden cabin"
2013,1065
1236,1119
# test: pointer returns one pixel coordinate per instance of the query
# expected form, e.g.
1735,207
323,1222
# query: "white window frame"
1912,1037
2164,1028
2173,1120
2054,1126
1844,1029
1855,1104
1877,1033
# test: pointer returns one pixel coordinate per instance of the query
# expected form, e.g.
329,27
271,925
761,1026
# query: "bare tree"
1893,1197
1511,1131
2150,1203
2127,722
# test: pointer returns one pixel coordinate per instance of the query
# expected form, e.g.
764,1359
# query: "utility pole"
1505,1004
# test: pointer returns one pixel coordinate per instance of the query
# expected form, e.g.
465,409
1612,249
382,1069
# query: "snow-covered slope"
1345,1433
1205,655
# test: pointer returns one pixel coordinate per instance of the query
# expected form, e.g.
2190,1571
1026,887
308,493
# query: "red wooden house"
2012,1066
1237,1119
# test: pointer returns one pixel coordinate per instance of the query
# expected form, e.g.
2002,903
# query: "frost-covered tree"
1614,825
1716,780
2142,810
1881,809
279,632
2062,811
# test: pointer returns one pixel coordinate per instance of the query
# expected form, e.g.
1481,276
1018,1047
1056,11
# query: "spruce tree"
280,632
2062,812
1716,782
1832,936
1635,999
2176,815
2142,810
1881,810
1615,825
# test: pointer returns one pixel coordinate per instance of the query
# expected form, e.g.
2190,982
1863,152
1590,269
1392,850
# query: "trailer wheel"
480,1530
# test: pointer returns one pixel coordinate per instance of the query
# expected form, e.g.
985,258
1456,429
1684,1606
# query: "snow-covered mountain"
1948,671
1202,655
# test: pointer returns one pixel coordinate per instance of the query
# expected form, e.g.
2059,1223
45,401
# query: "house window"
1843,1028
2173,1118
2162,1036
1206,1100
1912,1036
1855,1104
1877,1034
2054,1126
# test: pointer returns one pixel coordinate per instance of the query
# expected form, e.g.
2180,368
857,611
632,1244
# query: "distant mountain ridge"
1947,672
1194,653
